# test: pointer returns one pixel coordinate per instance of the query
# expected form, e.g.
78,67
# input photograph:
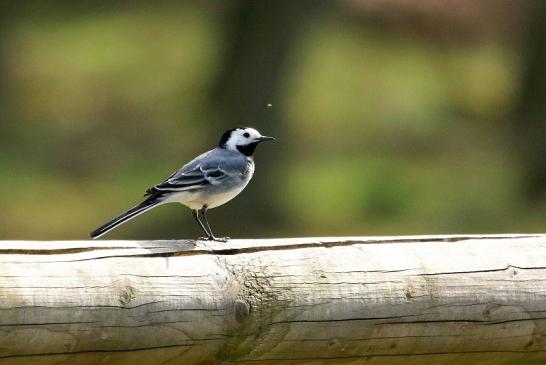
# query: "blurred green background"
393,116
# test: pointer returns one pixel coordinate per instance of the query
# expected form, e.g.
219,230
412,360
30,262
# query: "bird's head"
242,139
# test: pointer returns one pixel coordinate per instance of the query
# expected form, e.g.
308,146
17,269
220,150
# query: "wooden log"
374,300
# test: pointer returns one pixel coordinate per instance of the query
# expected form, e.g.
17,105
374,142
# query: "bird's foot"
221,239
213,238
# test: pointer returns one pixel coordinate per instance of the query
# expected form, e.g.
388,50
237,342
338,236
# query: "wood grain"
349,300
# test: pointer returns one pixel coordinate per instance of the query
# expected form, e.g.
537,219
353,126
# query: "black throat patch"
248,150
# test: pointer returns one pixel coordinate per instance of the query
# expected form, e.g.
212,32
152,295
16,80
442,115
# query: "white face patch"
242,137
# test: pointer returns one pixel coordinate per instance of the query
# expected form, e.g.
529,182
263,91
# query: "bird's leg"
211,236
195,215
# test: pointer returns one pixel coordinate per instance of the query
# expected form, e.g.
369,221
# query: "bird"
208,181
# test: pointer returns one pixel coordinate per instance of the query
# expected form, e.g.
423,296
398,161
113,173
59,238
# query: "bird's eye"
246,135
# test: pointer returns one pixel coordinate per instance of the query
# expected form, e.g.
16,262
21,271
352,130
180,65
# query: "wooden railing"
386,300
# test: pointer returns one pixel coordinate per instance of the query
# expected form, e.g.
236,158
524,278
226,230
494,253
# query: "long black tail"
122,218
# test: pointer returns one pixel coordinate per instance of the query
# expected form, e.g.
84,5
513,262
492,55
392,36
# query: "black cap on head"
226,135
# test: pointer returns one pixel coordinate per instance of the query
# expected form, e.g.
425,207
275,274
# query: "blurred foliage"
383,131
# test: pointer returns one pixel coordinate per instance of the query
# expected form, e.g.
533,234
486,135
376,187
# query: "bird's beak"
266,138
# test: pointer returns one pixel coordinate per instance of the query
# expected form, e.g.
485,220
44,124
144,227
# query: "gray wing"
210,168
197,178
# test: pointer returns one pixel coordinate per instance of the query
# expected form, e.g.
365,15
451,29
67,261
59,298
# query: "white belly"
198,201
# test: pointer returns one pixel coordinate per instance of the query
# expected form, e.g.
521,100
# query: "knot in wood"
241,310
127,296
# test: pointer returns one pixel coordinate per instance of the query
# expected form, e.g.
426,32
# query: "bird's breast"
250,168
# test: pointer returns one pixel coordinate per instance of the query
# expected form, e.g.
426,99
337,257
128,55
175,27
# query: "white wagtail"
206,182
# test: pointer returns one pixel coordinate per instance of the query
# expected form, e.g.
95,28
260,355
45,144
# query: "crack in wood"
95,306
508,267
484,322
44,323
64,353
235,251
